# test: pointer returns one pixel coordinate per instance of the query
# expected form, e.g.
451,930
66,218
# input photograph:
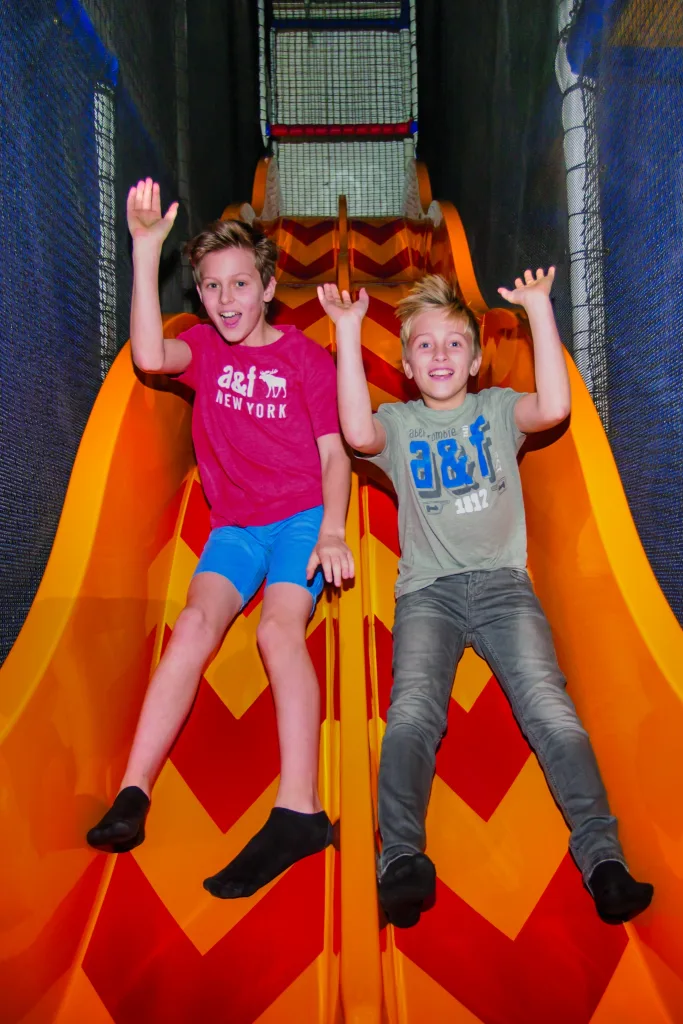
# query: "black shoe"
618,897
404,888
123,826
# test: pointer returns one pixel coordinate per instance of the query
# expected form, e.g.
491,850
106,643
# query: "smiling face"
440,358
233,295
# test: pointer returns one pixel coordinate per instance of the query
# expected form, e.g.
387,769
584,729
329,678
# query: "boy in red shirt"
277,478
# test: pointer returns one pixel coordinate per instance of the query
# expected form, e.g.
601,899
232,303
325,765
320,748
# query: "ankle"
304,801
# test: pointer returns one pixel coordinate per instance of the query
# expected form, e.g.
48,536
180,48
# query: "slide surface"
513,937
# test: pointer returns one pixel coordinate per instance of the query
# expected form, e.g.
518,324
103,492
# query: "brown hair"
435,292
234,234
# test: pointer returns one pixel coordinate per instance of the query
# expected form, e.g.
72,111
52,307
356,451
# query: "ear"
476,363
407,368
269,290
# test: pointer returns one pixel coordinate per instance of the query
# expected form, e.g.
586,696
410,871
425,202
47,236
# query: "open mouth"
441,374
230,319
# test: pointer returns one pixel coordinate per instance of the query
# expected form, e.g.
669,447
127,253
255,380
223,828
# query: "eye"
456,343
423,344
211,284
241,284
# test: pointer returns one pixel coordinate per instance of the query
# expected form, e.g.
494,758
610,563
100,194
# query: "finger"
519,283
171,213
540,274
313,563
507,295
346,298
364,298
551,273
351,566
139,194
326,567
335,565
130,201
156,198
320,291
528,276
147,196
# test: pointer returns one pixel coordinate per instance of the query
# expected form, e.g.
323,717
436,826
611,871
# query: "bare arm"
331,551
152,353
363,431
551,402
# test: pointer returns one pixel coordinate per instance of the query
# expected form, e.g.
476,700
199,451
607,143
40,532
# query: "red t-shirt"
257,414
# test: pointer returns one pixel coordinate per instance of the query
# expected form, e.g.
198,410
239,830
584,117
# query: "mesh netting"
341,78
358,76
636,63
337,9
91,99
370,174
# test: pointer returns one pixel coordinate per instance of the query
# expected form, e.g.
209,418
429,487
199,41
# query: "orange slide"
513,937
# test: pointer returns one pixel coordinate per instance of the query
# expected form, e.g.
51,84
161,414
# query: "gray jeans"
498,614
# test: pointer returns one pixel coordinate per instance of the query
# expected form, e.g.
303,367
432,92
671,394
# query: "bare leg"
297,827
212,603
282,641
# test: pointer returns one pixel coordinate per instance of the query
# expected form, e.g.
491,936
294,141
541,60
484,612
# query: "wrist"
348,330
332,530
146,250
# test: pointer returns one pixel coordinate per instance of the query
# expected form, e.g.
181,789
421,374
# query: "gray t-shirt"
460,505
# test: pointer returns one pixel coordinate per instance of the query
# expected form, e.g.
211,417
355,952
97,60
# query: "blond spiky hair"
436,293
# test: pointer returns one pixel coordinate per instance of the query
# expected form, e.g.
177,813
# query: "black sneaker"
618,897
404,888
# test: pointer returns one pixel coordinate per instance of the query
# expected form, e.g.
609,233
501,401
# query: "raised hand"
143,209
528,290
340,308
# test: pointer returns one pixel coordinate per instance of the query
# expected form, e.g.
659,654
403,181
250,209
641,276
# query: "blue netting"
49,323
640,99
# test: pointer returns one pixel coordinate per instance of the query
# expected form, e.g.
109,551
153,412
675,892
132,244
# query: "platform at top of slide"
513,937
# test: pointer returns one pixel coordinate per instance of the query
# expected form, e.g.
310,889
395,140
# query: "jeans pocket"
520,575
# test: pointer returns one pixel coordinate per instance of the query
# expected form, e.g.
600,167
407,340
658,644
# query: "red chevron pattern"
215,747
303,316
144,967
555,971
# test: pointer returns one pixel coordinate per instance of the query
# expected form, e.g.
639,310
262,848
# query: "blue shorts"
278,553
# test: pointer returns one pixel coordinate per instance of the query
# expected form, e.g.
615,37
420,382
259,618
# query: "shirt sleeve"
504,401
320,388
192,337
387,415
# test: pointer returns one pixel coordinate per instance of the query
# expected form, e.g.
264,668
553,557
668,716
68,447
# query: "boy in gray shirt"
452,457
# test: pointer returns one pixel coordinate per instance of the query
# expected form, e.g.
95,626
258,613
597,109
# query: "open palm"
143,209
339,307
527,290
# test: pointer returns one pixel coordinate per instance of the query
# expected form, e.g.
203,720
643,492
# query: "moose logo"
277,386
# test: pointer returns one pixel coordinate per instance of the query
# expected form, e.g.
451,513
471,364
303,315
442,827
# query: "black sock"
123,826
407,884
286,837
618,897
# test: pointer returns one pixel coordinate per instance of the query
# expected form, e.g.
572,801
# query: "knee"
194,628
277,639
419,714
